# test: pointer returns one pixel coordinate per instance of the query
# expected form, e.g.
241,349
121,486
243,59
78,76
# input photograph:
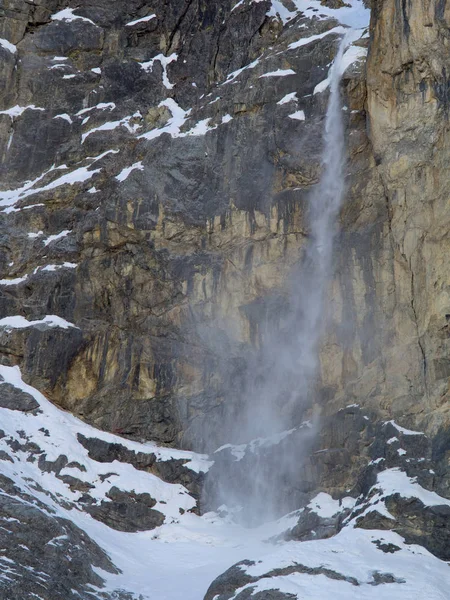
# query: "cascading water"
280,376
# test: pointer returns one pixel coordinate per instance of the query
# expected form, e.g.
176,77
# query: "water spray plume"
280,377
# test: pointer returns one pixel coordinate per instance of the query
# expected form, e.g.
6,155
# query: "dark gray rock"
44,554
265,595
16,399
310,526
416,522
126,511
227,584
171,471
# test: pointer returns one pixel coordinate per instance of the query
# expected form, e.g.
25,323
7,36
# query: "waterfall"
281,375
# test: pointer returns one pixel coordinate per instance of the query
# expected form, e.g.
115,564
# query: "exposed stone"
126,511
44,554
227,585
15,399
172,273
172,471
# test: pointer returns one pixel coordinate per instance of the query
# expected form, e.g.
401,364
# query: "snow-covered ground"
179,560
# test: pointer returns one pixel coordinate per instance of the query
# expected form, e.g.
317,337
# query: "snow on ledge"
351,55
402,429
279,73
101,106
16,111
19,322
299,115
9,198
353,13
232,76
68,16
8,46
292,97
179,117
164,61
127,170
326,507
56,432
56,236
65,117
313,38
14,280
142,20
111,125
395,481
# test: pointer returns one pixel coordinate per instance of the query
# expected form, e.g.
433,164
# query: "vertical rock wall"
170,267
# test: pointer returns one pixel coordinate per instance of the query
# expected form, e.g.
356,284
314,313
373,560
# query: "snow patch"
395,481
101,106
279,73
231,76
324,505
351,55
164,61
127,170
57,236
299,115
16,111
19,322
64,116
8,46
14,281
64,265
402,429
392,440
313,38
141,20
179,117
292,97
68,16
111,125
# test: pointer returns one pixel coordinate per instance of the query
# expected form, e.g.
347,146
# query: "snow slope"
178,560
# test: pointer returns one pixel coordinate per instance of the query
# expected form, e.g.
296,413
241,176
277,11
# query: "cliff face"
200,238
156,164
175,184
408,120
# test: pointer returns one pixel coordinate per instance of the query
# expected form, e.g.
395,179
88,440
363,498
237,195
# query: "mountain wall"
156,161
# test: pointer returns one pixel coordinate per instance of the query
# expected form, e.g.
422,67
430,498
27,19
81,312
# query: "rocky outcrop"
44,554
171,471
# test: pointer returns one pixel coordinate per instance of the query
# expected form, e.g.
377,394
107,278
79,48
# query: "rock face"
156,159
167,237
43,554
163,237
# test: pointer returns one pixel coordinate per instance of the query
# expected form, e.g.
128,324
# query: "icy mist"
267,425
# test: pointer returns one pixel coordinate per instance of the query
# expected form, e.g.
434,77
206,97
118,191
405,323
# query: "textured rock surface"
43,554
175,262
153,188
